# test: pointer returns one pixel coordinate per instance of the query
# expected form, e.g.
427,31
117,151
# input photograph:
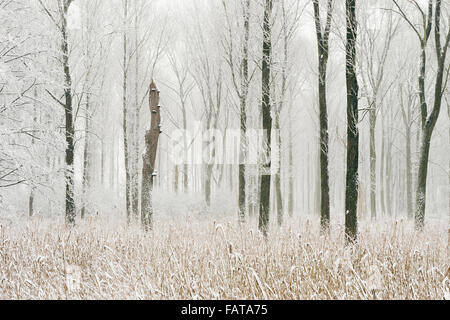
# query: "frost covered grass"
196,258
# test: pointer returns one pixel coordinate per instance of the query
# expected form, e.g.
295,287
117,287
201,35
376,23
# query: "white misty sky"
74,17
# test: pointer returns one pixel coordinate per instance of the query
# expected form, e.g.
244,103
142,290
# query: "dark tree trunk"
429,122
422,179
31,203
448,171
264,210
68,112
322,50
351,191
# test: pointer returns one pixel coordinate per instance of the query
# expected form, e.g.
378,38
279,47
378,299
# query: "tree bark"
31,198
373,160
278,196
382,170
351,192
68,112
175,179
86,156
429,122
149,159
291,172
264,210
135,133
409,200
388,177
125,118
322,50
243,113
407,121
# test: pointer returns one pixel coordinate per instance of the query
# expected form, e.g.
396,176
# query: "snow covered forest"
241,149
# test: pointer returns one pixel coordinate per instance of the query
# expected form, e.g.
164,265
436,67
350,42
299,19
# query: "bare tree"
429,119
126,151
241,81
149,158
351,191
61,25
289,14
373,62
322,48
407,103
183,90
145,54
264,209
94,51
207,73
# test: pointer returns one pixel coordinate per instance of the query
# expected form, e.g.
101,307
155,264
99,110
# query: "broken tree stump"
149,157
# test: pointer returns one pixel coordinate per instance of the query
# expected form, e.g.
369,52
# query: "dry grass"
191,259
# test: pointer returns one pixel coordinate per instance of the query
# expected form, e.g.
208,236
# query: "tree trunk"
125,119
86,160
264,210
324,174
291,172
382,171
448,172
208,168
208,174
176,182
278,197
243,113
308,186
373,160
388,178
422,179
351,192
70,130
322,51
429,122
409,200
147,187
102,160
112,159
135,180
149,159
185,167
407,121
31,198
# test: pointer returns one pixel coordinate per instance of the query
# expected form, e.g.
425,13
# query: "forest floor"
196,258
